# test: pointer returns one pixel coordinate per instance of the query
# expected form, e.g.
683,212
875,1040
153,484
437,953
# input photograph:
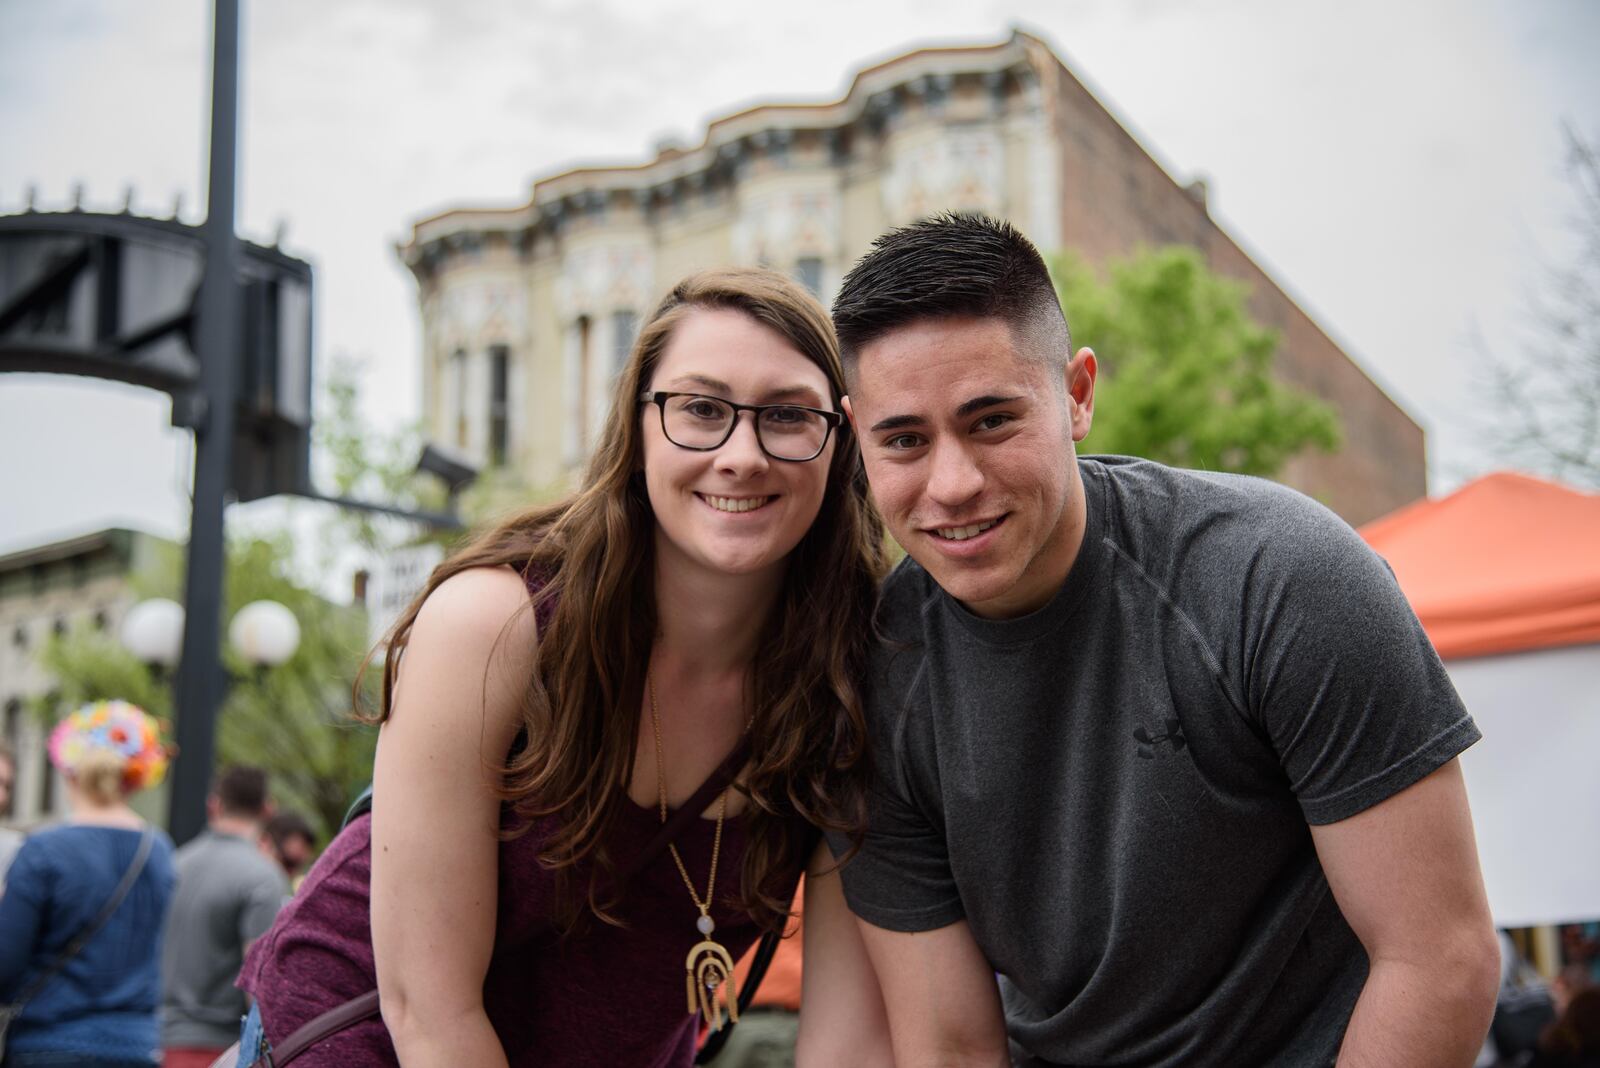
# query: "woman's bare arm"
435,851
842,1022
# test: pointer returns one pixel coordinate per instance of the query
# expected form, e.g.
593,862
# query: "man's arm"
941,996
842,1022
1405,873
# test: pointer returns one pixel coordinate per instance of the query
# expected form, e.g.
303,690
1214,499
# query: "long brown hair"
592,558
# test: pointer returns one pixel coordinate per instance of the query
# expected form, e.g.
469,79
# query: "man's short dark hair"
951,265
242,791
286,825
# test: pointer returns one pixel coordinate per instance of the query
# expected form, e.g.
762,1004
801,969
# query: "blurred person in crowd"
288,840
1580,944
684,633
1524,1007
84,908
1166,749
228,894
10,839
1573,1040
1569,981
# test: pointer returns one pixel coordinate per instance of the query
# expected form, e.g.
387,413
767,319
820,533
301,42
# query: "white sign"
395,583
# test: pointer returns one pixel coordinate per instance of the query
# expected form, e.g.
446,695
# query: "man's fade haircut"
242,791
956,264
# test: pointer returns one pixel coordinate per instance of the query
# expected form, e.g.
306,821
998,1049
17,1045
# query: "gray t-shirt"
227,896
1114,791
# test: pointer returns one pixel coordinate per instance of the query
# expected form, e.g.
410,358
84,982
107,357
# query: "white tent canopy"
1505,576
1534,781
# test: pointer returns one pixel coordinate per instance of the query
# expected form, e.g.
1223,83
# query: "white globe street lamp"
153,631
264,633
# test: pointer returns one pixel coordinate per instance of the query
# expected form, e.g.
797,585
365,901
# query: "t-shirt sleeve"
1338,671
263,898
900,879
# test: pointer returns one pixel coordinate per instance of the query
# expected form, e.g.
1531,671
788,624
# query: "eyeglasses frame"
831,421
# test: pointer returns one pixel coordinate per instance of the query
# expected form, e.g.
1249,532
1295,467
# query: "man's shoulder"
226,861
1148,485
1157,512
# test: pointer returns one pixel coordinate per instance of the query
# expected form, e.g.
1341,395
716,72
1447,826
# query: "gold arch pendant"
708,966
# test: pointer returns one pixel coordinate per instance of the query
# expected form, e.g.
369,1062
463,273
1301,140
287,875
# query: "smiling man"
1166,750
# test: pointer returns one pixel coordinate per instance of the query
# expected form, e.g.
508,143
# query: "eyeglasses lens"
705,422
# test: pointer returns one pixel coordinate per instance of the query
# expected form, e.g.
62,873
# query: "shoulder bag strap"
366,1006
683,818
82,938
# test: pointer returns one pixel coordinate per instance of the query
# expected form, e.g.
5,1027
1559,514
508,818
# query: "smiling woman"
653,643
733,495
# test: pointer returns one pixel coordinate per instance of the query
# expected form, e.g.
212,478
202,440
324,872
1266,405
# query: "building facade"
528,311
48,590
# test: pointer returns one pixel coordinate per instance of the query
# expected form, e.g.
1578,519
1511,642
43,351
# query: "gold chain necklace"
708,965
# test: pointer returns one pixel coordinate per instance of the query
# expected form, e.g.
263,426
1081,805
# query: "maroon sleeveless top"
605,996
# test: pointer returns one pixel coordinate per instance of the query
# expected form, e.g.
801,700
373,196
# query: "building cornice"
871,90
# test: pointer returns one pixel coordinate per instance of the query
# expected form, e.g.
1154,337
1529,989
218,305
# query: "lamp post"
264,633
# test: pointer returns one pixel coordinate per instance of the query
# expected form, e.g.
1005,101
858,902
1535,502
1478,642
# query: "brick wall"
1116,198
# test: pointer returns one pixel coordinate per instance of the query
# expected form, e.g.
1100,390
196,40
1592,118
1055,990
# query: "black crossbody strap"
683,818
81,939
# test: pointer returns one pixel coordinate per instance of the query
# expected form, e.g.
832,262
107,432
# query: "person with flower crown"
85,903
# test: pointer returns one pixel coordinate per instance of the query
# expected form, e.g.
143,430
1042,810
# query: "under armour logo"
1148,742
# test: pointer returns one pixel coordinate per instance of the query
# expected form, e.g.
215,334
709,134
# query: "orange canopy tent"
1503,564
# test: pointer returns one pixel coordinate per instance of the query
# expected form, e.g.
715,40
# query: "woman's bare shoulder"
475,628
477,602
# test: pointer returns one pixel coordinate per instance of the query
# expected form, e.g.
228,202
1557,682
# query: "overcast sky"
1397,167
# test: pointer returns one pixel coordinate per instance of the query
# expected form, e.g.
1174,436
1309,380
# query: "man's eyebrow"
978,404
896,422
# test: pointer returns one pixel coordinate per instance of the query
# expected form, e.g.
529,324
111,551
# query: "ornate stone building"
527,311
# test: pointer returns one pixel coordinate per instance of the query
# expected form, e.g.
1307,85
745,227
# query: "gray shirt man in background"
228,895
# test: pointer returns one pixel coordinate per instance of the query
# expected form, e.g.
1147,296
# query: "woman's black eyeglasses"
788,432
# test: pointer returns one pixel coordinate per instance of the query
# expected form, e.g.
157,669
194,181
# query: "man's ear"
849,413
1080,373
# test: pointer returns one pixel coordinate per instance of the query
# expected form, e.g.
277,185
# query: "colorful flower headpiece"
116,727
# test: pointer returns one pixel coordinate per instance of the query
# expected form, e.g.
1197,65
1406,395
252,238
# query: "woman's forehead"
726,352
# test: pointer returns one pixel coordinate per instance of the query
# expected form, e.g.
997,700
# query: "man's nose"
955,477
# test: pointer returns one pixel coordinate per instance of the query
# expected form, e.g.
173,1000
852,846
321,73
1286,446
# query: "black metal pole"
200,684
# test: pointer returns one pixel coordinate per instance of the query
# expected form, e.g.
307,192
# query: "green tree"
358,461
294,720
1185,373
